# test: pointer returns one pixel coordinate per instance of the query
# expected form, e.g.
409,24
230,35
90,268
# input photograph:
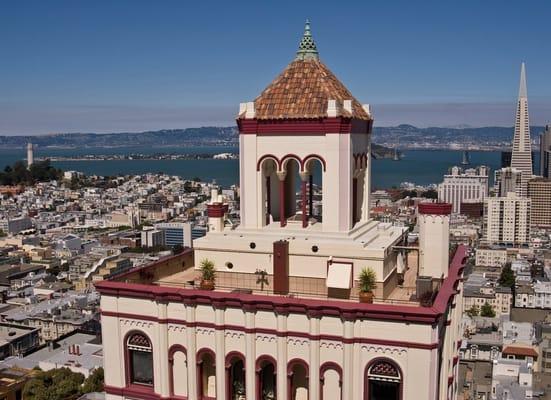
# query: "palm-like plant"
368,280
207,269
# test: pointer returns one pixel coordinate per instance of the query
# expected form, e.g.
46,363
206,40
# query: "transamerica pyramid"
521,158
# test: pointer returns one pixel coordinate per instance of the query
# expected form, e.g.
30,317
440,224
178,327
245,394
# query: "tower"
521,158
434,239
305,124
30,155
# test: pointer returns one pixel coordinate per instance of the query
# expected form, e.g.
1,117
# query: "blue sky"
108,66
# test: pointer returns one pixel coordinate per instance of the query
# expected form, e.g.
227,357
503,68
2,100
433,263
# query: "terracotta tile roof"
520,351
302,90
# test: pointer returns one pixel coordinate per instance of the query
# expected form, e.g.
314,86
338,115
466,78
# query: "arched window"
140,359
330,381
383,380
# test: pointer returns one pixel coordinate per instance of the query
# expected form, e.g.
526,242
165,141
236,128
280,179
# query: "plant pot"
366,297
207,284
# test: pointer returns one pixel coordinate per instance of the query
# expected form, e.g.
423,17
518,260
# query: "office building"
468,186
521,158
539,192
545,152
176,233
152,237
507,180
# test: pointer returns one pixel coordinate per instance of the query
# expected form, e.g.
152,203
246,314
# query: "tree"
507,277
430,194
94,383
59,383
2,233
487,311
473,311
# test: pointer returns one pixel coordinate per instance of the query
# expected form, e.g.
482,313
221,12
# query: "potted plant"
208,273
368,282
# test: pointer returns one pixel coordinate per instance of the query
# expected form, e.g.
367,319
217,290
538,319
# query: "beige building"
539,192
490,257
284,320
501,299
507,219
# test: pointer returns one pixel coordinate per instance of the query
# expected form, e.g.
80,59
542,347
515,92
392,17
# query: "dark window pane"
142,367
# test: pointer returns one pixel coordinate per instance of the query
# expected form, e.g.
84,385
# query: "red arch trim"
265,157
315,157
293,157
127,370
234,354
367,395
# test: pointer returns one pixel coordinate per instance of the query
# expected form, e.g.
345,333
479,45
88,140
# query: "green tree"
2,233
94,382
507,277
473,311
430,194
487,311
59,383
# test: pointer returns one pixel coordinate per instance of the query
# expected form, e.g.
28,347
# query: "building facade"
490,257
507,180
507,220
176,233
545,152
469,186
284,320
539,192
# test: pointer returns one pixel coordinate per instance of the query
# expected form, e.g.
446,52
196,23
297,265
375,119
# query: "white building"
507,219
284,321
152,238
511,379
537,295
507,180
176,233
469,186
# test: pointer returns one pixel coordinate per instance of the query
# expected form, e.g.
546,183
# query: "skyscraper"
545,152
521,158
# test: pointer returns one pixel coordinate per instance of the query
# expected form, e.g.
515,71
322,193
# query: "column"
314,364
191,346
281,356
268,200
311,195
348,364
220,353
303,178
162,382
250,353
282,217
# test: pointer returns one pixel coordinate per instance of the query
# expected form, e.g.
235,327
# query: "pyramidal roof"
304,88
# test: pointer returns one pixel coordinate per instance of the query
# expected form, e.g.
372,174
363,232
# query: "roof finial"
307,49
522,92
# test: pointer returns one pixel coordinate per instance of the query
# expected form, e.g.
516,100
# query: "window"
140,359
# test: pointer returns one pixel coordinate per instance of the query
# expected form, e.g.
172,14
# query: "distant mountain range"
402,136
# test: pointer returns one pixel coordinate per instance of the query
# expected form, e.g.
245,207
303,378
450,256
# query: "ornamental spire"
307,49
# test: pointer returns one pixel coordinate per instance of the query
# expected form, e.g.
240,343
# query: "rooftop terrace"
174,277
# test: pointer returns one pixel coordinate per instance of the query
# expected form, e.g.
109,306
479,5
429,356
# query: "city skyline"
131,66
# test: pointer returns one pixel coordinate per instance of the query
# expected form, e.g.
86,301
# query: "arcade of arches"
382,378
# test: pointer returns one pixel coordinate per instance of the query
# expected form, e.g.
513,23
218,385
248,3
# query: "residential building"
80,358
14,225
507,220
490,256
545,153
511,379
12,382
478,290
468,186
539,192
521,158
283,320
17,340
537,295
